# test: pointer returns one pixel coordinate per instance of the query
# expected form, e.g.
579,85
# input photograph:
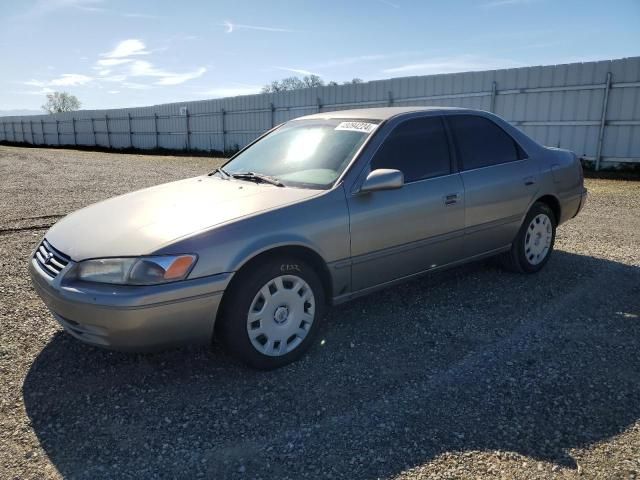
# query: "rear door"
395,233
499,179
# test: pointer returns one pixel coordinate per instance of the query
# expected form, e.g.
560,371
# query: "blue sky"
112,53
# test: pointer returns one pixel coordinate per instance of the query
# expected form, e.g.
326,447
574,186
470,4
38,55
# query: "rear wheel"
272,313
533,245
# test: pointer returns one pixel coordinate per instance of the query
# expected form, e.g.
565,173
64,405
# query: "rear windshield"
305,153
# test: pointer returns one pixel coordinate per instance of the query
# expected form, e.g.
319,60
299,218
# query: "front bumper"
133,318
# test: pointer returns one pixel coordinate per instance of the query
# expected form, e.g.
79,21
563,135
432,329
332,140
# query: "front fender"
320,224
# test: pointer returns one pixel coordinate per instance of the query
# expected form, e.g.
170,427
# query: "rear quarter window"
482,143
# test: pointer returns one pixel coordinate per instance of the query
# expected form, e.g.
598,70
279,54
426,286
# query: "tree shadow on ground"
470,359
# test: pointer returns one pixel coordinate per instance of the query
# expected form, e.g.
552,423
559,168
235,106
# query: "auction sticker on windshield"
364,127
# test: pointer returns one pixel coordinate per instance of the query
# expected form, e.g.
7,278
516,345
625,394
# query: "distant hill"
9,113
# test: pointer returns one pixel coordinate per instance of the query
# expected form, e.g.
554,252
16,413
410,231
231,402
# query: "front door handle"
529,181
451,199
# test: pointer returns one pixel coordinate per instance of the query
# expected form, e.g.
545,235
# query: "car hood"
141,222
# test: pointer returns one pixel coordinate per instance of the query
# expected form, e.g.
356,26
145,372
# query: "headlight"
136,271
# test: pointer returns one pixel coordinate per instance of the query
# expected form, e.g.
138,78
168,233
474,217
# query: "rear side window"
481,142
418,148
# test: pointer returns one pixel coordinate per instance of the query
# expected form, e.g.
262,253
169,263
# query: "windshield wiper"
258,177
222,171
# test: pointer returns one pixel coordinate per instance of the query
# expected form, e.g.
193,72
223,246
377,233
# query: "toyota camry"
317,211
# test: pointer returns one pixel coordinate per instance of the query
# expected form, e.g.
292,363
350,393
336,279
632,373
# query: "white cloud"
136,86
463,63
141,68
127,48
42,91
178,78
114,78
42,7
35,83
65,80
113,91
231,27
301,71
117,69
109,62
70,80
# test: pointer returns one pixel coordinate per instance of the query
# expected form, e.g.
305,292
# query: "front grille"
50,260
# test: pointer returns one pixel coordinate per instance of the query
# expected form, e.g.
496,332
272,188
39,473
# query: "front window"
305,153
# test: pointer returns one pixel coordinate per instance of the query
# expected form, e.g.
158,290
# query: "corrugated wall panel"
564,111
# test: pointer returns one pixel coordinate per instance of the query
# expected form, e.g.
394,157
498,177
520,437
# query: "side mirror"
382,179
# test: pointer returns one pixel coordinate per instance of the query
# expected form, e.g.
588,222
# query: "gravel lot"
470,373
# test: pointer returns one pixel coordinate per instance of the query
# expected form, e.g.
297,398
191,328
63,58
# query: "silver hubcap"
537,241
281,315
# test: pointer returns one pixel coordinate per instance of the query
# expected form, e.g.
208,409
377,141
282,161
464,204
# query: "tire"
532,247
286,302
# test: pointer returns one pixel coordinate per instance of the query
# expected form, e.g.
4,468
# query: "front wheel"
533,245
272,313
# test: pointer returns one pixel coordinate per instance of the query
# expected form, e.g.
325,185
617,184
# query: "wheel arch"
301,252
553,203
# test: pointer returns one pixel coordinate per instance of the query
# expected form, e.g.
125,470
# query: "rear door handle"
529,181
451,199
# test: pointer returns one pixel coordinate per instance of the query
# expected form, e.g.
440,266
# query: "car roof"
380,113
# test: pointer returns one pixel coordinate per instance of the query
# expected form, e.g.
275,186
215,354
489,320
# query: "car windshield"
304,153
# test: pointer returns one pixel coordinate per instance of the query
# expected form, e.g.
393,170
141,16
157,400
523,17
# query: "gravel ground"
471,373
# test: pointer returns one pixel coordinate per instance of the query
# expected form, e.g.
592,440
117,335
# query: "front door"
396,233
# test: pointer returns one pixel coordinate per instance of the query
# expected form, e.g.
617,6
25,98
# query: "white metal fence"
591,108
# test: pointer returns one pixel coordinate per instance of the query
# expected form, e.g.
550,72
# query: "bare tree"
308,81
312,81
293,83
61,102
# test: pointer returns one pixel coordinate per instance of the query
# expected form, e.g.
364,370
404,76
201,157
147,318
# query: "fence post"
106,122
58,130
93,131
13,132
155,126
33,142
319,104
75,137
24,140
390,98
492,105
130,133
273,115
224,132
44,136
603,119
187,132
